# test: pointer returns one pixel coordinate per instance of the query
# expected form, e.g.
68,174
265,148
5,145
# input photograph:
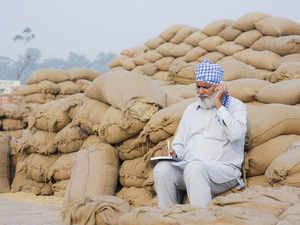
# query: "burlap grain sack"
179,90
210,44
52,116
116,62
284,92
271,120
82,73
170,32
151,56
61,168
117,126
97,210
258,180
60,187
187,72
281,45
285,169
137,197
127,63
44,87
95,173
37,166
139,61
13,111
277,26
216,27
291,58
70,138
135,172
166,49
179,50
155,42
286,71
148,69
163,124
229,33
247,21
291,215
68,88
39,98
182,34
164,63
12,124
270,150
235,69
195,38
212,56
194,54
135,51
162,75
90,115
90,141
54,75
126,151
4,163
259,59
245,89
82,84
229,48
248,38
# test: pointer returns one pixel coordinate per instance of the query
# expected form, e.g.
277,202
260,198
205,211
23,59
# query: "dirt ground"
27,209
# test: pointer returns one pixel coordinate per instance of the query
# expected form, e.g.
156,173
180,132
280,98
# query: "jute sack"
291,215
4,163
134,172
195,38
117,126
60,187
148,69
39,141
187,72
95,173
52,116
273,120
284,92
171,32
181,49
248,38
286,71
164,63
139,61
70,139
89,115
245,89
137,197
82,84
126,151
135,51
128,88
229,33
258,180
216,27
166,49
235,69
162,75
259,59
281,45
98,210
151,56
179,90
210,44
163,124
277,26
247,21
155,42
13,111
229,48
61,169
127,63
68,88
212,56
291,58
82,73
12,124
116,62
36,166
194,54
270,150
90,141
285,169
44,87
182,34
39,98
54,75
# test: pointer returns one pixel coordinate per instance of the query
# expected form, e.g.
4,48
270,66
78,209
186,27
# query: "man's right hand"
167,152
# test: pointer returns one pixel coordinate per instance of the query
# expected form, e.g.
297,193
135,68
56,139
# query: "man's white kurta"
214,136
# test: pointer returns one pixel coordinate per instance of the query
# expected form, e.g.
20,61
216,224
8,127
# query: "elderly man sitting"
209,144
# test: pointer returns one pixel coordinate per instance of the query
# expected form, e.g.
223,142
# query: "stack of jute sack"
45,85
256,45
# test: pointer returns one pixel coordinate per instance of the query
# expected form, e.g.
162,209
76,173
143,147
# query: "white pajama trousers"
170,181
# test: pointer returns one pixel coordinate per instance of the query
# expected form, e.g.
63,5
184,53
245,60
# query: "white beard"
207,102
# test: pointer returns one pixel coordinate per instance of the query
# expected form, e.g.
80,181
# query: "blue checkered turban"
213,74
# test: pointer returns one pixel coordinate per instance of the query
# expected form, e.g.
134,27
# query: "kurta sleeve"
234,122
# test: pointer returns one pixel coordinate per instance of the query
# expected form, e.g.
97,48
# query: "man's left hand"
221,92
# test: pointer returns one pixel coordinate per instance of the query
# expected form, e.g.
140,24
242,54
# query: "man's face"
205,89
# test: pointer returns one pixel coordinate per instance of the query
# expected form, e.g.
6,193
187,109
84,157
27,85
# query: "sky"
92,26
